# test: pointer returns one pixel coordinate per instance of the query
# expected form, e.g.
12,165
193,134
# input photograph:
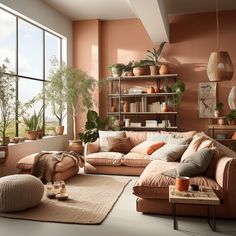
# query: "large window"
30,49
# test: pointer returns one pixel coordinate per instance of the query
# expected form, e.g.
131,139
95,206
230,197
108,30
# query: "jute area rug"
91,198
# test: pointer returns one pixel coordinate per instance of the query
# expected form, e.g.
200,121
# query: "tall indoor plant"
55,94
7,100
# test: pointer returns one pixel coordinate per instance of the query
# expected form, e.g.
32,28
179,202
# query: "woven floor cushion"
20,192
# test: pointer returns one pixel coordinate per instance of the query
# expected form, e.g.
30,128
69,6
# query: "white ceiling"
121,9
152,13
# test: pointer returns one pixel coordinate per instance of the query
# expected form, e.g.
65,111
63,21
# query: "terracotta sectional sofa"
152,186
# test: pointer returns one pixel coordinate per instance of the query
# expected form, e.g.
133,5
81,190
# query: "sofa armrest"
92,147
226,173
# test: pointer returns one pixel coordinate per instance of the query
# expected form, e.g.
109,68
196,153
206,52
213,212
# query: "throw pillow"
193,165
169,152
147,147
188,134
103,135
122,145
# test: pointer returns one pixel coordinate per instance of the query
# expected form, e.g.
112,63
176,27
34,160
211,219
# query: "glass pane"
52,51
30,50
50,121
27,90
8,39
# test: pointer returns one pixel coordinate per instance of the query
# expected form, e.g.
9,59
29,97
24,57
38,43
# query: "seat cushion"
104,158
152,184
26,163
136,160
20,192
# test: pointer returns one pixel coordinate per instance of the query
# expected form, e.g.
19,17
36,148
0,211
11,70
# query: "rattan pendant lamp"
220,67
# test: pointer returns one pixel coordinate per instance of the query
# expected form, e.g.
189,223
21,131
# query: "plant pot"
182,183
3,149
221,121
154,70
163,70
116,72
232,122
217,113
31,135
76,146
138,71
59,130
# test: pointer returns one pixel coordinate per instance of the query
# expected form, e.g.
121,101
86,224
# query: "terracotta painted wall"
193,37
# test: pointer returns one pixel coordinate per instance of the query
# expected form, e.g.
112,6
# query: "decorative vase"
76,146
220,66
163,70
59,130
113,108
182,183
126,107
216,113
154,70
31,135
232,98
221,121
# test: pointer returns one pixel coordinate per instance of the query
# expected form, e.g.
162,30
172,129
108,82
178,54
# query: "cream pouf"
19,192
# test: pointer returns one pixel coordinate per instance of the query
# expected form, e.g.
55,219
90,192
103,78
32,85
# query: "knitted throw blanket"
45,162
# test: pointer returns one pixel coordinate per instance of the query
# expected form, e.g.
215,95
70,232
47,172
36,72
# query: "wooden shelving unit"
116,95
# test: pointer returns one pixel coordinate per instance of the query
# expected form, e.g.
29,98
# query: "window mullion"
17,86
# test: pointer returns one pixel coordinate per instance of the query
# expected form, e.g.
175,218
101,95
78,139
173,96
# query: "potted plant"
218,109
117,69
54,93
153,58
231,117
128,69
178,88
32,124
141,67
7,101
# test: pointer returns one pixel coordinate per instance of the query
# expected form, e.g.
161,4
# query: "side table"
204,197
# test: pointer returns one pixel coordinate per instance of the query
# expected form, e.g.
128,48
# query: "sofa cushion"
136,137
122,145
169,152
26,163
104,158
136,160
103,135
147,147
192,165
152,184
188,134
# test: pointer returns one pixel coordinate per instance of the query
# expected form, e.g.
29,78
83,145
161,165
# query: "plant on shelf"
218,109
153,58
141,67
32,124
54,93
128,69
178,88
231,117
117,69
7,101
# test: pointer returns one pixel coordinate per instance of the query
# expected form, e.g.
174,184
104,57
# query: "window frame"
16,73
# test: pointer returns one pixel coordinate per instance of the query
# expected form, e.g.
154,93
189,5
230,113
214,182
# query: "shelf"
227,140
150,128
143,77
150,113
222,127
142,95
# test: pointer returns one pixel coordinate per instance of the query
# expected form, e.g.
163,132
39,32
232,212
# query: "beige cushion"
147,147
19,192
136,137
104,158
136,160
169,152
122,145
26,163
103,135
152,184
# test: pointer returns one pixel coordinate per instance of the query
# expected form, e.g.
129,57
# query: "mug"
182,183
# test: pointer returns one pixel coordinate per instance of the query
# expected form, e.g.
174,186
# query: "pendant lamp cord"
217,26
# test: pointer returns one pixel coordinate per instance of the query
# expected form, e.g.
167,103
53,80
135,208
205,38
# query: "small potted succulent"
231,117
153,57
117,69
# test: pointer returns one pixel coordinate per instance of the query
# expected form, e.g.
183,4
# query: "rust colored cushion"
122,145
136,160
104,158
152,184
27,162
147,147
